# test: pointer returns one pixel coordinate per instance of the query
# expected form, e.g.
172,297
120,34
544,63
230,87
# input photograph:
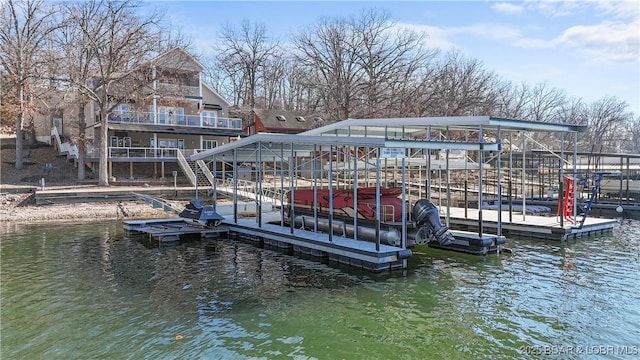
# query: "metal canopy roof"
390,126
301,143
391,132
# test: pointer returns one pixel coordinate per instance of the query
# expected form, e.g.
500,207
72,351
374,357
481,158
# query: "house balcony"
139,154
178,90
198,121
171,90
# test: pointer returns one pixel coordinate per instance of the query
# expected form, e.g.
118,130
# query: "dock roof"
390,133
384,127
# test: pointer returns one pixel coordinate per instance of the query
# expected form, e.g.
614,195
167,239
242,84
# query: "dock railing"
249,189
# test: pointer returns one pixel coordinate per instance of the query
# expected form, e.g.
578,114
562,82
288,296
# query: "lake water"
86,291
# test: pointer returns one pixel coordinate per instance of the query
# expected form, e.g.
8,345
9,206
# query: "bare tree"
24,29
632,143
116,41
607,119
388,58
272,81
461,86
545,103
326,50
247,50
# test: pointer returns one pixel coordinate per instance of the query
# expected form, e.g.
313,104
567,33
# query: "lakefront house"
157,127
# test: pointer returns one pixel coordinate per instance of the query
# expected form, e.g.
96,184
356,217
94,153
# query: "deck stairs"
64,148
205,178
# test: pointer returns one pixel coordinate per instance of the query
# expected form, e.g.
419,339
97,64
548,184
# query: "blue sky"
590,49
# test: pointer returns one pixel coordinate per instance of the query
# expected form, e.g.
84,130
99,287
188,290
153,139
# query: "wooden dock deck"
543,227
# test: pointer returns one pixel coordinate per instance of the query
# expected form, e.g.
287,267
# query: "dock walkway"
354,253
544,227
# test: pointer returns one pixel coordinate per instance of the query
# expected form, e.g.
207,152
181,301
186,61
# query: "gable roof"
305,120
207,87
168,58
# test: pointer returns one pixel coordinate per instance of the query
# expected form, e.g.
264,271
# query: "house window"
281,118
122,109
300,119
209,144
117,141
209,117
170,115
170,143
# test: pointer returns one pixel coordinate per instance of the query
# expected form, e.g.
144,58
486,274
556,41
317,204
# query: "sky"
588,48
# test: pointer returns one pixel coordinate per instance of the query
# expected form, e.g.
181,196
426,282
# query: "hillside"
64,172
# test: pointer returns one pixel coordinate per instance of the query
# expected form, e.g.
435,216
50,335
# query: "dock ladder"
586,208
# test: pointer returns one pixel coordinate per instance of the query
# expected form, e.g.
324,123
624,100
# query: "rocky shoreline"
11,210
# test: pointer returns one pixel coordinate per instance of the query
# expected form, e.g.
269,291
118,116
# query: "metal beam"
444,145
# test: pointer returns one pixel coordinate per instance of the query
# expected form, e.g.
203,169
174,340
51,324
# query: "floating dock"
541,227
340,250
171,230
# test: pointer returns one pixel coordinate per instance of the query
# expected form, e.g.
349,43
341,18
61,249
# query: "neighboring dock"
541,227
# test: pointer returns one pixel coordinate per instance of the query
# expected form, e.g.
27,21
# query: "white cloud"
614,40
620,9
436,37
507,8
440,37
607,41
557,8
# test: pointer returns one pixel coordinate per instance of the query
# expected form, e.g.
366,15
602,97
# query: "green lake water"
77,291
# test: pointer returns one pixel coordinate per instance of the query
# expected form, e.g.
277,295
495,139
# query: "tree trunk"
103,173
82,146
19,132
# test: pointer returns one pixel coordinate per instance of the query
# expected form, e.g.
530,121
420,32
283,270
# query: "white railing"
205,170
149,118
186,168
142,152
64,147
249,189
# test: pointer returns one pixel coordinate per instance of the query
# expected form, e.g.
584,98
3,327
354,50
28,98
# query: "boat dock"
534,226
344,194
340,250
171,230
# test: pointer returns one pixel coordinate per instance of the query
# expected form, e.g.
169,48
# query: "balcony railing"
148,118
141,152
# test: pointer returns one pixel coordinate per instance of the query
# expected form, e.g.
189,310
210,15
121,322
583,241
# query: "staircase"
64,148
205,177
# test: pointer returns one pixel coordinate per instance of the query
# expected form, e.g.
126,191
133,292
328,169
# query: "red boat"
343,206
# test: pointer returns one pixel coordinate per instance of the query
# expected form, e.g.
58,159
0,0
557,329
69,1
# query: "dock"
340,250
171,230
532,226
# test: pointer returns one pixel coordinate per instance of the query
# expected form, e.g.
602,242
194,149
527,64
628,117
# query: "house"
283,122
158,125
